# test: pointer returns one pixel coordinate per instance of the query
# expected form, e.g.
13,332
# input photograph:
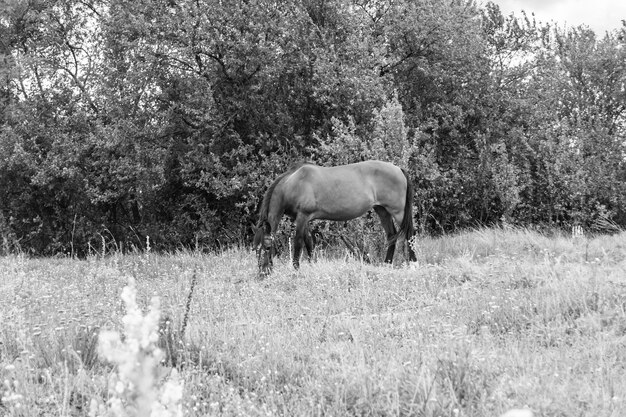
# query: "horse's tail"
406,227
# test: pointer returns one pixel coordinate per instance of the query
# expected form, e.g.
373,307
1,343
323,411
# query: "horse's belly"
342,209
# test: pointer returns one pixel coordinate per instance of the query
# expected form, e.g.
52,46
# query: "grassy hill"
487,321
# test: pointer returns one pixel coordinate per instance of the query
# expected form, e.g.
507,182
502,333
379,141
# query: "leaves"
169,119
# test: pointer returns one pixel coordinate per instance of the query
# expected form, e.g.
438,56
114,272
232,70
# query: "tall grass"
491,320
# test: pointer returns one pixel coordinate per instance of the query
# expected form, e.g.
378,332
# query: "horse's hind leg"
300,239
398,217
390,230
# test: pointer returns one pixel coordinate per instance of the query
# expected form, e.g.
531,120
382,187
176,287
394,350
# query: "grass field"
490,320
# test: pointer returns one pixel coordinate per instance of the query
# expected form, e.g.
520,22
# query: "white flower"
137,357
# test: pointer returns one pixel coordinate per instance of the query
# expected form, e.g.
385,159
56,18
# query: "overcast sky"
599,15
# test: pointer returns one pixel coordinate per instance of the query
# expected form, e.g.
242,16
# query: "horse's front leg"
299,240
308,243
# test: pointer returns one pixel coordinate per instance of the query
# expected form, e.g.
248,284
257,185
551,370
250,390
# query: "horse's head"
264,245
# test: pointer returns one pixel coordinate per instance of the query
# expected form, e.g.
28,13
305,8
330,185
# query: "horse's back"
363,169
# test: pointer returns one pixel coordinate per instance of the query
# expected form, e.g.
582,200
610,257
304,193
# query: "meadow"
489,320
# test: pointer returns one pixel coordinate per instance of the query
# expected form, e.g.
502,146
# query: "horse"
340,193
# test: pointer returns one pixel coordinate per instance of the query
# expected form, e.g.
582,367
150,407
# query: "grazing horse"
339,193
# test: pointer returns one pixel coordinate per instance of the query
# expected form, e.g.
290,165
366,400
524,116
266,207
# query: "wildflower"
137,358
9,397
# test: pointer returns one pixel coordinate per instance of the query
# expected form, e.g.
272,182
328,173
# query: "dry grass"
490,320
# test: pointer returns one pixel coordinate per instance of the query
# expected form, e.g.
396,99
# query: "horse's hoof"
263,274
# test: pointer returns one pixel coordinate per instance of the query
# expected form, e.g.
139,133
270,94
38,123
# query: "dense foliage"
121,120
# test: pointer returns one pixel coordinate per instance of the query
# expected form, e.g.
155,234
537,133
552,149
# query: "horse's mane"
265,205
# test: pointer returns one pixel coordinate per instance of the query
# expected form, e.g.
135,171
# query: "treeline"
168,118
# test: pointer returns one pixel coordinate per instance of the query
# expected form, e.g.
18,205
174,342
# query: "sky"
599,15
